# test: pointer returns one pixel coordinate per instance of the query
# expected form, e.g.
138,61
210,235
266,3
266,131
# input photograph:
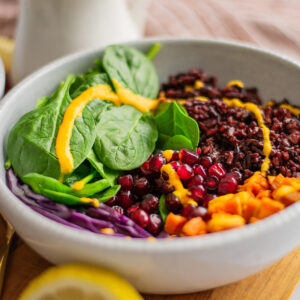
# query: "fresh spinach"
40,182
172,121
31,142
125,138
132,69
162,208
82,171
109,193
177,142
105,172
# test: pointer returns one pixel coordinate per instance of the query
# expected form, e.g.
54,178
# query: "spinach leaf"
105,172
132,69
162,208
107,194
172,120
177,142
40,182
82,171
125,138
31,142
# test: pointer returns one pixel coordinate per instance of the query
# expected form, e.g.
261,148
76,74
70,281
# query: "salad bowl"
2,78
168,266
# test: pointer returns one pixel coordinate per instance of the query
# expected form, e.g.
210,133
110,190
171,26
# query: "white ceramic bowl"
2,78
167,266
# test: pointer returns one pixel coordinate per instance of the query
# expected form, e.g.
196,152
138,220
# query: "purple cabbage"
94,219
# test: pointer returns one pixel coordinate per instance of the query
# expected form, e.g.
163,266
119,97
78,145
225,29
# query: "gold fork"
6,235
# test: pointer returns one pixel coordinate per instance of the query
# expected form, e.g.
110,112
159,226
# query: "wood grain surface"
273,24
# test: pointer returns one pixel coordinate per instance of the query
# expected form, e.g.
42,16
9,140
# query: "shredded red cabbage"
93,219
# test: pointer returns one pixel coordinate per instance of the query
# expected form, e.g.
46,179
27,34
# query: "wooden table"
273,24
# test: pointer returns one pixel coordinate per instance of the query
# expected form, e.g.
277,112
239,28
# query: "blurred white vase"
48,29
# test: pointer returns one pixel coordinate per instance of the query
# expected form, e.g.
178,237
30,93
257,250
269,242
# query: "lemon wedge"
78,282
6,52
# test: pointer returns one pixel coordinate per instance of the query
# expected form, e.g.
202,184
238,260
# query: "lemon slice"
79,282
6,52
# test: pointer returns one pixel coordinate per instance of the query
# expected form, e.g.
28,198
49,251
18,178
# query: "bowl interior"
2,78
274,76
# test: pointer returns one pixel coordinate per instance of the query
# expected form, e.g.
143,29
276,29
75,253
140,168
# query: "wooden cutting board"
275,283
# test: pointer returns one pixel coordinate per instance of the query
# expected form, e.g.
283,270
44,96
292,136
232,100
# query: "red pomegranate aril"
155,224
188,157
175,155
200,170
140,217
187,209
124,199
167,188
185,172
199,211
237,175
175,165
118,209
158,183
208,198
198,193
111,201
141,186
149,203
198,150
173,203
211,183
196,180
217,170
126,182
227,185
132,208
156,162
206,161
145,168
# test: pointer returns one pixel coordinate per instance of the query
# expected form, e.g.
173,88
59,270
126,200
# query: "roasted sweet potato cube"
268,207
282,191
195,226
262,194
223,221
227,204
249,204
174,223
290,198
276,182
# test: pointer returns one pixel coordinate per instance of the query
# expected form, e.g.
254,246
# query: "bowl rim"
2,78
90,239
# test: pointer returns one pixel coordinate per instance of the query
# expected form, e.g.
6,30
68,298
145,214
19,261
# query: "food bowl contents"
110,153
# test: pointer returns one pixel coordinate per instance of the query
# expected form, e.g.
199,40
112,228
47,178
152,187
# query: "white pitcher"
48,29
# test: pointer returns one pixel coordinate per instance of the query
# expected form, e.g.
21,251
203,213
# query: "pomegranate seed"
118,209
206,161
227,185
165,176
158,183
112,201
211,183
124,199
217,170
196,180
175,155
237,175
188,157
198,150
149,203
198,193
126,182
140,217
208,198
145,168
187,209
175,165
173,203
167,188
132,208
141,186
156,162
199,211
155,224
200,170
185,172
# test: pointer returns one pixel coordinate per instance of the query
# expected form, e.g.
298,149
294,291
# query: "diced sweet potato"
255,184
227,204
282,191
276,182
268,207
222,221
174,223
195,226
253,220
249,204
262,194
290,198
